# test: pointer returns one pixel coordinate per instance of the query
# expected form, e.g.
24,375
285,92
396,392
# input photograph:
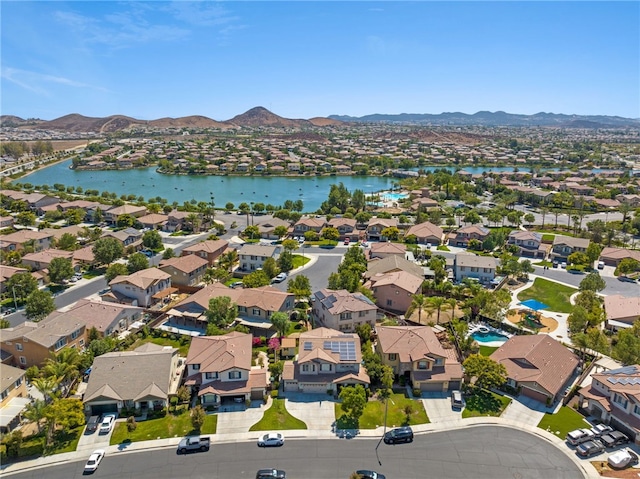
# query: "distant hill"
260,116
498,118
194,121
16,121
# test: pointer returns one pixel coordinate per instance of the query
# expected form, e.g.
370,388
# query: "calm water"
488,337
235,189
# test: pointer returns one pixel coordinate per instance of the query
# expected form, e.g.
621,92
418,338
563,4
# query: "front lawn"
373,415
554,295
442,248
565,420
484,403
172,425
277,418
174,343
299,260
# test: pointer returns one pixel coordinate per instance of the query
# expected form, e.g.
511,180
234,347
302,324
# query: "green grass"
553,294
487,350
485,403
277,418
373,415
174,343
442,248
324,242
93,273
66,441
544,263
565,420
299,260
172,425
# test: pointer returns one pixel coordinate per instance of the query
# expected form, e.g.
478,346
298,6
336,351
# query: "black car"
271,474
93,423
613,439
363,474
398,435
589,448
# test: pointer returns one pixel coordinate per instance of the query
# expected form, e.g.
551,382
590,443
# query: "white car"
271,439
94,460
108,420
279,278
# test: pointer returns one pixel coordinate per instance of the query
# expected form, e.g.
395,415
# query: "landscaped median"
171,425
402,411
277,418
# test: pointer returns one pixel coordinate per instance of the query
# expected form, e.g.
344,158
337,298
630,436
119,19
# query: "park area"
532,320
554,295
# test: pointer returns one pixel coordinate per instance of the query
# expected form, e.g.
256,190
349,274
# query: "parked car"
579,436
600,429
347,241
237,284
563,265
364,474
622,459
92,424
589,448
197,443
613,439
600,264
94,461
457,401
271,474
398,435
271,439
108,420
626,279
279,278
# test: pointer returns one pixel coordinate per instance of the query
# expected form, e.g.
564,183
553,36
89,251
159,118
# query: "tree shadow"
483,401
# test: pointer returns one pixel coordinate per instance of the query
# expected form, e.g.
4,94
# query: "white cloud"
38,82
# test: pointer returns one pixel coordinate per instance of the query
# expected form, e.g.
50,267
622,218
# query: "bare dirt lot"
605,471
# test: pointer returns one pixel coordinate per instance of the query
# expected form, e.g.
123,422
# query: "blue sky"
305,59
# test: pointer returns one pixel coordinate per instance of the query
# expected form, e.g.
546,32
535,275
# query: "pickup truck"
193,444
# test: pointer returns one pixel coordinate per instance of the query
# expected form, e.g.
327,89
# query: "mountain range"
261,117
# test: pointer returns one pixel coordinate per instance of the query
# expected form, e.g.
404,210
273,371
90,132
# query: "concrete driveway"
316,410
525,411
438,407
235,422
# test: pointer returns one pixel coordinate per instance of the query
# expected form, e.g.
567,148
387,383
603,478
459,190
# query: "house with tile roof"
563,246
253,256
376,226
129,237
209,250
346,227
109,319
308,224
185,270
621,311
612,256
342,310
112,214
139,288
41,259
394,291
140,380
538,366
529,244
18,240
219,370
469,265
327,360
463,235
614,399
425,233
14,397
267,228
393,263
386,249
416,353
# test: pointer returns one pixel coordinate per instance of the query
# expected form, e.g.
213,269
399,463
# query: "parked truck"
198,443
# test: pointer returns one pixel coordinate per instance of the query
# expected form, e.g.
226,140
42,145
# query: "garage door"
538,396
313,388
431,387
454,385
100,409
257,394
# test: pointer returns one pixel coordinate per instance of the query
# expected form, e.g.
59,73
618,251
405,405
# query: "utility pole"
384,430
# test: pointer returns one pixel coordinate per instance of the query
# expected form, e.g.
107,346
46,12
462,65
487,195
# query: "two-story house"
308,224
416,353
129,237
538,366
463,235
426,233
346,227
529,244
253,256
185,270
394,291
112,214
176,220
139,288
219,370
41,259
267,228
614,398
31,344
327,360
13,397
140,380
342,310
376,226
621,311
19,240
385,249
469,265
563,246
108,319
209,250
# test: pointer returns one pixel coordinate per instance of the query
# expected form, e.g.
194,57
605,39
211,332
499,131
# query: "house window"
23,360
422,365
636,410
256,312
81,342
620,400
18,347
4,394
235,374
389,302
393,357
305,368
211,375
325,367
461,268
75,334
345,316
61,342
362,314
195,367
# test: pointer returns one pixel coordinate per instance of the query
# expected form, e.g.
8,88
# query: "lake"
148,183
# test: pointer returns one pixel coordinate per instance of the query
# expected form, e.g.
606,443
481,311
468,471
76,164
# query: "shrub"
274,393
275,385
174,400
416,392
256,342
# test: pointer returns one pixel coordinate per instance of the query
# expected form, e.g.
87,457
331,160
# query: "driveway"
525,411
438,407
94,440
316,410
240,421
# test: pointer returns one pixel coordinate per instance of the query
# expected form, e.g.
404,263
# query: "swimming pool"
395,196
489,337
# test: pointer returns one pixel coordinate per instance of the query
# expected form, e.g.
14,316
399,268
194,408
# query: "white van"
457,402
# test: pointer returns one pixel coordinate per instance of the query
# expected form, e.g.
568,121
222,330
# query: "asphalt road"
481,452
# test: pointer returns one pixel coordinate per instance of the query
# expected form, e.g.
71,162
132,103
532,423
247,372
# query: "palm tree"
418,301
227,260
543,210
452,302
436,303
47,387
35,412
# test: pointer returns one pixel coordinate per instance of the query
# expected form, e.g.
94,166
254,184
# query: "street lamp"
384,430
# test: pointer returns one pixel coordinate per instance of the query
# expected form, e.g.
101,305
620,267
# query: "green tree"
60,269
627,345
626,266
39,305
65,414
418,302
222,311
299,286
285,261
280,231
183,393
4,323
593,282
354,400
488,373
276,369
68,242
132,425
270,267
125,221
47,386
198,415
22,285
137,262
280,321
330,233
107,250
256,279
290,245
35,412
392,233
116,269
152,240
386,382
168,254
437,303
251,232
593,252
26,218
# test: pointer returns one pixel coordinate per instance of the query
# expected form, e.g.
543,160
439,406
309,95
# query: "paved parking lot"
438,407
